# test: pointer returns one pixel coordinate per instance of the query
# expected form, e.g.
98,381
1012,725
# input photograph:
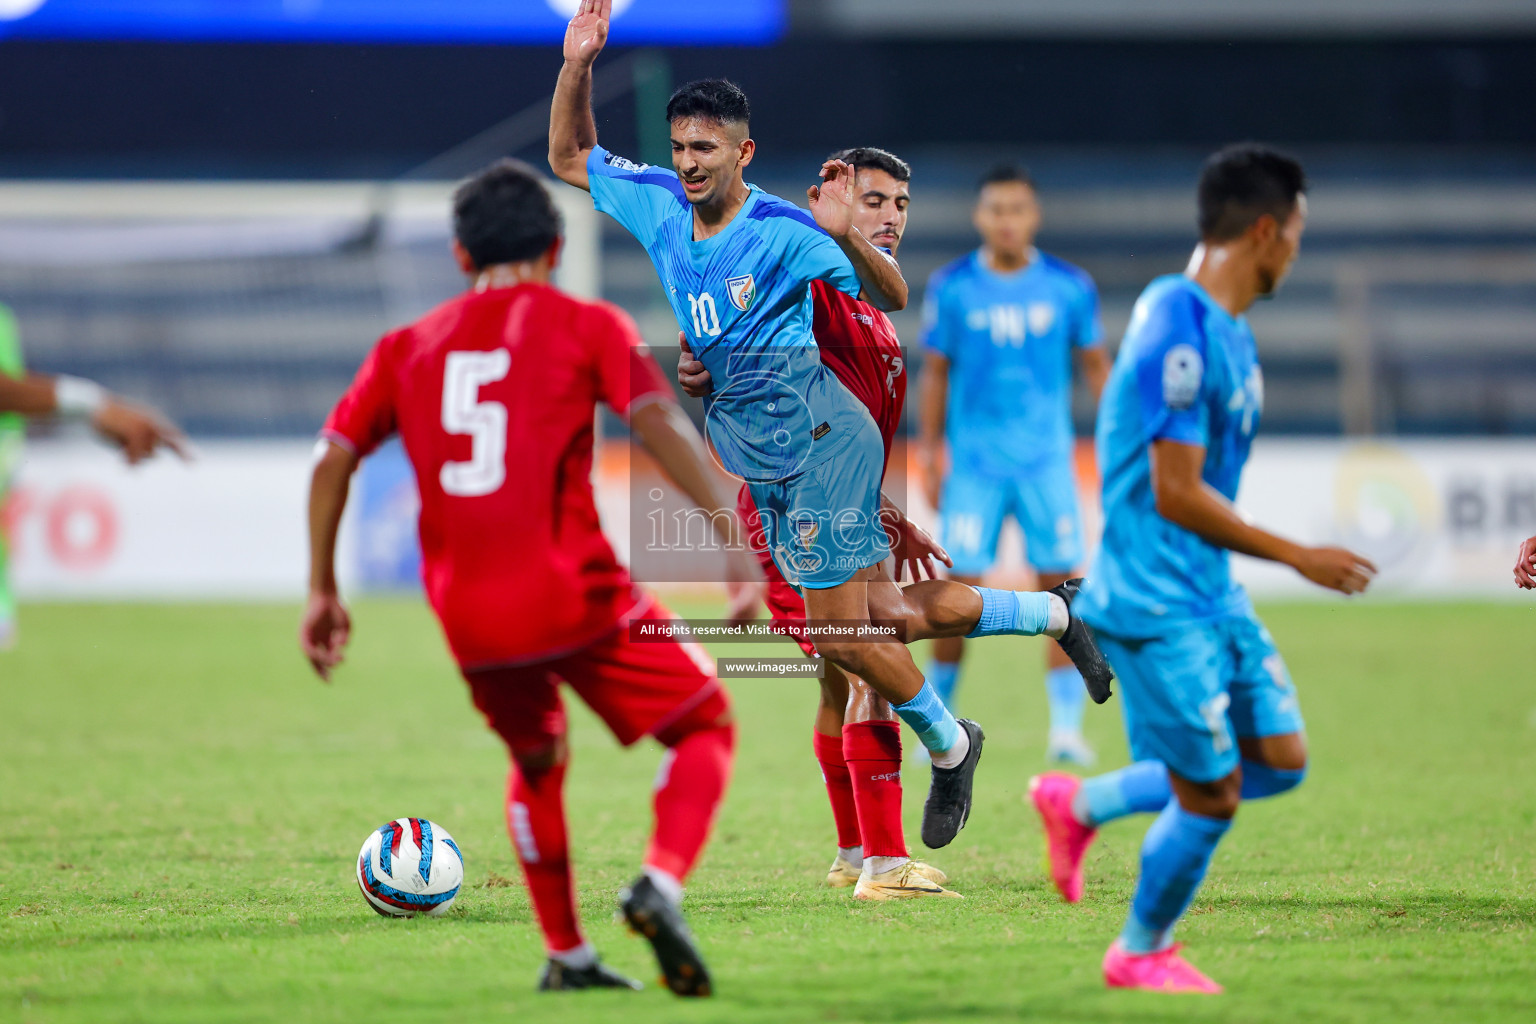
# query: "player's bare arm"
1185,499
137,430
1094,364
672,440
933,399
326,626
572,131
833,206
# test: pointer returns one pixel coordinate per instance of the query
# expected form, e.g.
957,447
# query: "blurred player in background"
494,394
1002,327
738,264
857,737
1210,709
135,430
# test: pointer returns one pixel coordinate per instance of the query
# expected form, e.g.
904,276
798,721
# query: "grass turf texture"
183,804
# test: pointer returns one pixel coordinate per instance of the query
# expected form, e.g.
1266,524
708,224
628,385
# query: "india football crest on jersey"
742,291
1042,315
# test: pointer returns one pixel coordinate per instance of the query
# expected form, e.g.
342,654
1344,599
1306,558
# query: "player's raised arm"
1185,499
832,206
572,131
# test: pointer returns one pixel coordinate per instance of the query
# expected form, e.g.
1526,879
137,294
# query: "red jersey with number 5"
494,396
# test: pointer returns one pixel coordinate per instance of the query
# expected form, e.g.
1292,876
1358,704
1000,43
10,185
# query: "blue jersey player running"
1211,712
737,265
1003,327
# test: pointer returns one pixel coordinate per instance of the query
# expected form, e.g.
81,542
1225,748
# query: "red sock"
536,821
688,790
834,771
873,754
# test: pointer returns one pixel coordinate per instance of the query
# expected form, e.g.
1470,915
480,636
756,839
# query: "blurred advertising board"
1440,517
648,22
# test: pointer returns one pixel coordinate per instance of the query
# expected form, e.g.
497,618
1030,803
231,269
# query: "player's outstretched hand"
917,553
745,587
138,430
1524,563
1336,568
832,200
691,375
324,632
587,32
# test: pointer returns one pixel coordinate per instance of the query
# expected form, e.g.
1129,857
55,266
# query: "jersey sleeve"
1171,372
638,196
365,416
627,374
939,329
1087,327
806,252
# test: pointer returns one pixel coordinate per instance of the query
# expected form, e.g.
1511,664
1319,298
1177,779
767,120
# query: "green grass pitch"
183,802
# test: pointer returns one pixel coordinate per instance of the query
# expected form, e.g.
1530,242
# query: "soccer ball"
410,866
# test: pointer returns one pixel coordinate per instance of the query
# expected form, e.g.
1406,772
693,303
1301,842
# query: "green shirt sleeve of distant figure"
12,427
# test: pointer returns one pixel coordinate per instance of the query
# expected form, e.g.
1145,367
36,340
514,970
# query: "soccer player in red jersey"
857,737
494,395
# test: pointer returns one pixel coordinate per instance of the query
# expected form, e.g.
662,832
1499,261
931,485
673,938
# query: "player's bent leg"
1272,765
523,706
948,652
954,746
827,743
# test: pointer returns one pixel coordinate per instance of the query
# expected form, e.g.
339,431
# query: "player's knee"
1218,799
536,756
711,713
834,690
851,658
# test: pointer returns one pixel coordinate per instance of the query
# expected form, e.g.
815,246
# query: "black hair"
878,159
1002,174
1242,183
712,99
504,214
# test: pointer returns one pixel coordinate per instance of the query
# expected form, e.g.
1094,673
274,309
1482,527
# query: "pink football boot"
1066,839
1163,971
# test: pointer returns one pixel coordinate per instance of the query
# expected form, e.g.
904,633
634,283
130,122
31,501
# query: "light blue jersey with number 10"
743,299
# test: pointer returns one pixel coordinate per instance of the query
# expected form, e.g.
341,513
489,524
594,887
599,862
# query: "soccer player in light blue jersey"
737,265
1002,328
1211,712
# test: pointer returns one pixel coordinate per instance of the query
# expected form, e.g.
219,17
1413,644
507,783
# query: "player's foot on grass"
842,874
949,793
1066,839
1067,746
558,977
1079,644
901,883
928,871
1163,971
653,916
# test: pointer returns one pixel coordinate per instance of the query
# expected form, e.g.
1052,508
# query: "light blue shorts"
1043,501
823,525
1191,693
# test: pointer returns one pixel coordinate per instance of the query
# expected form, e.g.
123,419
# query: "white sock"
670,887
578,959
955,754
854,855
880,865
1060,618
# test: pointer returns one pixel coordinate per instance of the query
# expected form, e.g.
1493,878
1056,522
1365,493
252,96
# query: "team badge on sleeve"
743,291
1182,370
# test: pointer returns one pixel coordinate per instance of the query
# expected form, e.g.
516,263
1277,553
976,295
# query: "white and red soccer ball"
410,866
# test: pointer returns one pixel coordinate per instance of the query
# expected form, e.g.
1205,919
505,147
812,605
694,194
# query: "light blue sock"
1012,612
1140,788
930,719
1174,858
945,676
1260,780
1064,688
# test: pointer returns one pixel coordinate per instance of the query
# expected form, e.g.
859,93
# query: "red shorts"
637,689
